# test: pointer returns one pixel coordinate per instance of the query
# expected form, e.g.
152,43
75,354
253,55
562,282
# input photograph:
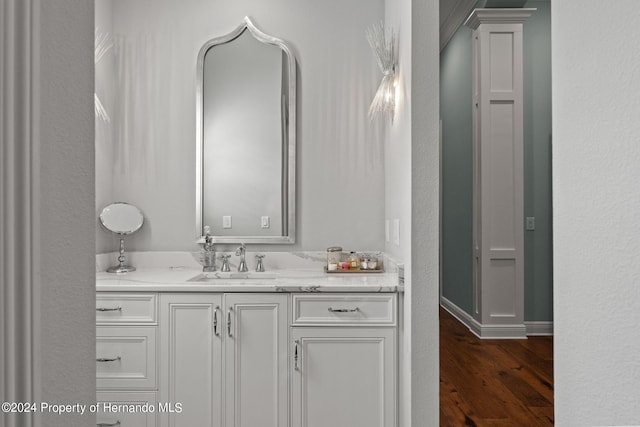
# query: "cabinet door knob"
117,423
229,322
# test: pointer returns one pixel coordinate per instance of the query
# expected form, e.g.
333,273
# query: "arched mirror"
121,219
246,138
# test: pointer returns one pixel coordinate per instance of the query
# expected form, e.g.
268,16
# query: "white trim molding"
498,16
531,328
462,316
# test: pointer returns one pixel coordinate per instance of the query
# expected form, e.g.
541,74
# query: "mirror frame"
288,167
126,232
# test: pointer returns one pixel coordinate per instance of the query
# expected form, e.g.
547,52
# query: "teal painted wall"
455,111
538,244
457,173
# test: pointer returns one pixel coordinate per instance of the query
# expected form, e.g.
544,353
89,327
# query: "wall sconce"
102,44
383,43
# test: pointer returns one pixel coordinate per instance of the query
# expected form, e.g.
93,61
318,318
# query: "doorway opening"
525,371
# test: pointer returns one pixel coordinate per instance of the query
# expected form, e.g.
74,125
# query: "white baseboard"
539,328
496,331
464,317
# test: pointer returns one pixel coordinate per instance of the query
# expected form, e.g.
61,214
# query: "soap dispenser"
209,252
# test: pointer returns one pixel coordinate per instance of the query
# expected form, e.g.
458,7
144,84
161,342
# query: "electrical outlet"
226,221
531,223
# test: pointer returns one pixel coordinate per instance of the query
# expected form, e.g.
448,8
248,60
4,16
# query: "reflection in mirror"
253,190
121,219
246,138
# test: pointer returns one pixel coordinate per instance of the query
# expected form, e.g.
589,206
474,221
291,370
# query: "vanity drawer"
347,309
119,309
126,357
108,414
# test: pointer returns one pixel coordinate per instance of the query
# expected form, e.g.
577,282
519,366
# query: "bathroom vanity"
290,347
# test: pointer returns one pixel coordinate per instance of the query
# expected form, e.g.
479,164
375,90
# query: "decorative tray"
381,270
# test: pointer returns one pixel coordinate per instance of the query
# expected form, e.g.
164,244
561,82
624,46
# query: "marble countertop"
285,272
181,279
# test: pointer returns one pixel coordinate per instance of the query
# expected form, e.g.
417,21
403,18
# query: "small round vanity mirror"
121,219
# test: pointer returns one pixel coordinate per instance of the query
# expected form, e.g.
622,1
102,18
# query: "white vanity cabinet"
126,357
344,360
224,359
241,359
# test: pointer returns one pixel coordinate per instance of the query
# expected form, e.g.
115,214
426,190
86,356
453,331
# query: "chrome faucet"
259,263
208,252
242,267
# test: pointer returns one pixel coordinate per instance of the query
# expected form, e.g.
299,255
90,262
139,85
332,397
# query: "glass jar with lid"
369,262
334,256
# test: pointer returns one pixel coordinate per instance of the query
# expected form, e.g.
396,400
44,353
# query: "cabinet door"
256,393
191,360
343,377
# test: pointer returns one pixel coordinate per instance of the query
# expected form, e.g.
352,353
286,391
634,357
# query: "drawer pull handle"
229,322
109,309
343,310
215,321
107,359
117,423
295,355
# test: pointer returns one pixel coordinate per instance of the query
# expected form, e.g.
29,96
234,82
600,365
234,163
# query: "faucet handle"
225,263
260,264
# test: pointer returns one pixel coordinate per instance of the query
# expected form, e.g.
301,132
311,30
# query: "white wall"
397,156
411,195
104,146
66,225
596,105
340,162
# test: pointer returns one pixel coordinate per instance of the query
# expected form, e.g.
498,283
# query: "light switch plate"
396,231
265,222
386,230
530,223
226,221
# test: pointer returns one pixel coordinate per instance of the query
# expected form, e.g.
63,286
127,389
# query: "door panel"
256,386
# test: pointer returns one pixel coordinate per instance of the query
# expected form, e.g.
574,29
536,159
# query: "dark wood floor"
494,382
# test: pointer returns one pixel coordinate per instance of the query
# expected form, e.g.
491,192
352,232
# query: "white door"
256,377
191,360
343,377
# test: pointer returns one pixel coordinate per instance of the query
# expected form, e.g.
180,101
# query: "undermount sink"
232,275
